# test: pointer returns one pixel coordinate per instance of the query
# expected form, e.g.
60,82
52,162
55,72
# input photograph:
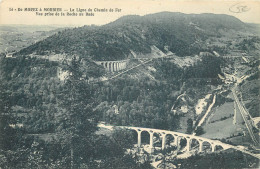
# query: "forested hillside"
50,107
182,34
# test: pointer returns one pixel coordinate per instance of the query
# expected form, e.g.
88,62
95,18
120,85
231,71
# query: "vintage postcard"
129,84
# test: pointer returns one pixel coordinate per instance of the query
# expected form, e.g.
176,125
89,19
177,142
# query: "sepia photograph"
130,84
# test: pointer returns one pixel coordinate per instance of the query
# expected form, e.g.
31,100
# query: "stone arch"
182,142
145,137
135,134
218,148
194,144
157,141
170,142
175,135
170,139
206,146
106,65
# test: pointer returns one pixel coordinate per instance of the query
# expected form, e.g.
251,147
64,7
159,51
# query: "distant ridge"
182,34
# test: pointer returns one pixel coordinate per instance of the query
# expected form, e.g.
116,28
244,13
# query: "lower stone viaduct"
201,142
113,66
215,145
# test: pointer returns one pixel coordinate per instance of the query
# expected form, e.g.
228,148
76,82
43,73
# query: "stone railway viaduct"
117,65
113,66
202,143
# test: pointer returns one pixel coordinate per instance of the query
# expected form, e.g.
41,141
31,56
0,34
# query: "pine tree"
78,121
189,126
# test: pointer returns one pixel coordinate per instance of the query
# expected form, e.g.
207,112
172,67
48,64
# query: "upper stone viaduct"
113,66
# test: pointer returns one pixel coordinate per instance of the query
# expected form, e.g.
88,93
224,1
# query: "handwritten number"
239,8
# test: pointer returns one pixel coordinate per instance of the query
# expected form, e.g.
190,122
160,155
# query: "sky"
247,11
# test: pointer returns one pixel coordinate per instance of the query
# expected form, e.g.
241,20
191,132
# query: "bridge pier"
213,147
139,138
200,146
112,67
188,144
120,66
175,140
151,142
163,140
117,68
178,143
109,66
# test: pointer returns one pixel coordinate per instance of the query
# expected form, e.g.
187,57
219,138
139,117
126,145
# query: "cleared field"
220,129
224,111
220,123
